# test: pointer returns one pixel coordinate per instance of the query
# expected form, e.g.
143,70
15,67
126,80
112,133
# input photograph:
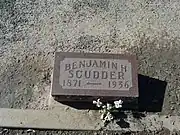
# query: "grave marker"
88,76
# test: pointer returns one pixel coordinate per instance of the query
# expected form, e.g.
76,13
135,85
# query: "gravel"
32,30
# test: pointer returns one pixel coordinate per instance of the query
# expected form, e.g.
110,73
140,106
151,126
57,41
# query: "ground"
56,132
32,30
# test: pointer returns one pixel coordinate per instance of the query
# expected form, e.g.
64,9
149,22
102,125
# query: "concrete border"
71,119
48,119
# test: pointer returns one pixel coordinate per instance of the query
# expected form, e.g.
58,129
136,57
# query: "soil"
53,132
32,30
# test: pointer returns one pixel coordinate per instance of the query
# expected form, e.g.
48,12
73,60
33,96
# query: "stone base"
78,102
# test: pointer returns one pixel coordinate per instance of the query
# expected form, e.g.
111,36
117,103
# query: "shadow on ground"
151,96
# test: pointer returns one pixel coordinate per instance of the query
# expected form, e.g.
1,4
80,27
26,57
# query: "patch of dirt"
24,82
158,58
31,31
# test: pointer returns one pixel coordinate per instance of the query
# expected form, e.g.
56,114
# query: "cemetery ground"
32,31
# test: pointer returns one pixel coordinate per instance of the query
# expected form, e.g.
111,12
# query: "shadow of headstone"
151,94
151,97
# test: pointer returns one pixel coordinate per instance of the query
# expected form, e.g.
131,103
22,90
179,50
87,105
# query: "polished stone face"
109,74
95,74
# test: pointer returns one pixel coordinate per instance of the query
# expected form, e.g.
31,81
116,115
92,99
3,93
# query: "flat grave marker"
88,76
